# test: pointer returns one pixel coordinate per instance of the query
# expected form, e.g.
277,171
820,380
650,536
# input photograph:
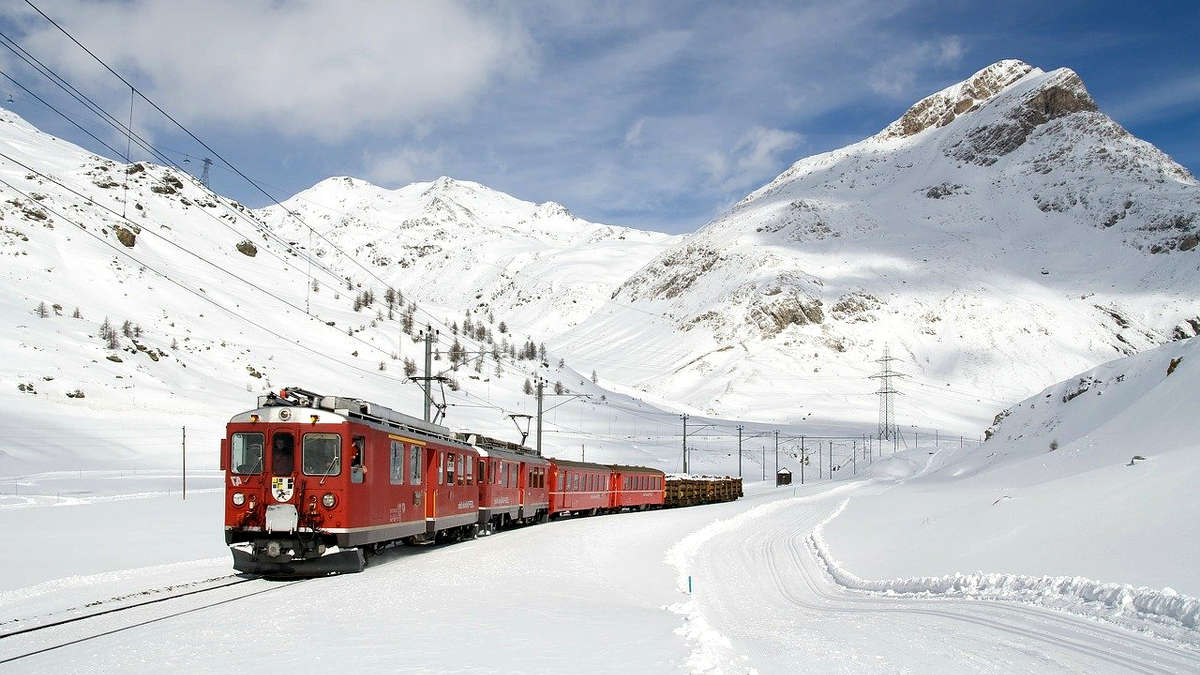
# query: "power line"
201,295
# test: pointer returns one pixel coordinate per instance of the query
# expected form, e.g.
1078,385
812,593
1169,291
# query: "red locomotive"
312,482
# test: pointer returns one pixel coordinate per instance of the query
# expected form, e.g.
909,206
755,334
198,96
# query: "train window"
396,463
560,483
512,475
247,453
441,461
358,461
283,456
414,465
461,473
449,468
321,455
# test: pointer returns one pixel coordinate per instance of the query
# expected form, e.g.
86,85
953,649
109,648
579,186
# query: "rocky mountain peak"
941,108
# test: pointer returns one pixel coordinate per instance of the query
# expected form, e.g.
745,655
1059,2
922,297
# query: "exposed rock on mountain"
1003,220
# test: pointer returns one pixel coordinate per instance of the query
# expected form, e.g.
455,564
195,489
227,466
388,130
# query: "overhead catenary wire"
371,273
135,138
204,297
261,227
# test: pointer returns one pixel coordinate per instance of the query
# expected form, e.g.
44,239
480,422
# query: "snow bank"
1079,595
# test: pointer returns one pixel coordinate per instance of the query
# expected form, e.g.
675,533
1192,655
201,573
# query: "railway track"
32,632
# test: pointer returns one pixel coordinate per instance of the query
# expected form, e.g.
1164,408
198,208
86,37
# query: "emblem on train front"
282,487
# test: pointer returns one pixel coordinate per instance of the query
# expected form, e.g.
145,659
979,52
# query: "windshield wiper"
325,475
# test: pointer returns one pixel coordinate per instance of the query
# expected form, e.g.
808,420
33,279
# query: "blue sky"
649,114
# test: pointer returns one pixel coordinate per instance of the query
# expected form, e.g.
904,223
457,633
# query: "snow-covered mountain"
1001,234
536,264
135,302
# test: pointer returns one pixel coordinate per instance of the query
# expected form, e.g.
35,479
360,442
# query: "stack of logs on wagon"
687,490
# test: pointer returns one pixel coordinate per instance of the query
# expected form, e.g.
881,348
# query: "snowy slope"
221,307
1004,220
536,264
1057,489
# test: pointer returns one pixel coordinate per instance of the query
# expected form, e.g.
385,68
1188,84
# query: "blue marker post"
689,584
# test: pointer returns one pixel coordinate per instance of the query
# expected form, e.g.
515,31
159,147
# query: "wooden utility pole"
183,447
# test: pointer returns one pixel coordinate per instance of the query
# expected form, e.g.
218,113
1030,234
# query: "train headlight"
274,549
239,499
329,500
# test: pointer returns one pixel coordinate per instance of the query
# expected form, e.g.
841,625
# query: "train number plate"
281,518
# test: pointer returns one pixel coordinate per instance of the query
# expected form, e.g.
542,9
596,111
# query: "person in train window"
357,469
282,458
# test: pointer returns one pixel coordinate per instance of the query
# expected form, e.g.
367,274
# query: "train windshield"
283,455
247,453
322,454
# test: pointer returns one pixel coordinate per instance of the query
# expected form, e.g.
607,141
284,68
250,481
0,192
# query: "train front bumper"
257,558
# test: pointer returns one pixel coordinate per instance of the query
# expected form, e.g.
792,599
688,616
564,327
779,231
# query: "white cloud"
403,166
757,156
1165,99
633,137
310,68
896,75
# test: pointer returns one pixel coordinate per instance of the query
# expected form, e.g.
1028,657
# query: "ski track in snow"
741,619
710,649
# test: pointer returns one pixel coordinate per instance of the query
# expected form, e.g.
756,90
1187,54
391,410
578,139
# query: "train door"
433,478
283,455
522,482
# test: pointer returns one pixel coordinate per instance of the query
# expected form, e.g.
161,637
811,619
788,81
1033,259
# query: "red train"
314,481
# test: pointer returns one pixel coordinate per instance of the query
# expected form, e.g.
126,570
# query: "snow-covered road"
764,601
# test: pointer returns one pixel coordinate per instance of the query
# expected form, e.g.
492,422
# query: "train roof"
495,447
590,466
300,404
623,468
638,469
